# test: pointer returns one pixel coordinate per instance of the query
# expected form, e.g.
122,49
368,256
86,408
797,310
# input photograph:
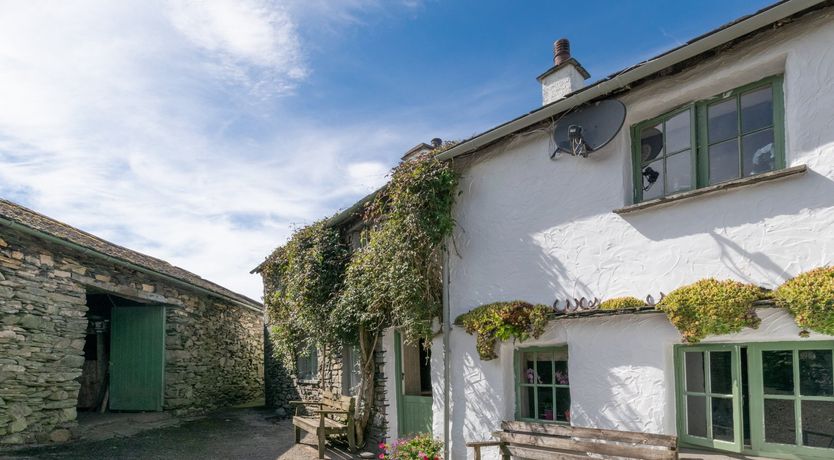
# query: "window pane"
757,150
694,371
563,404
816,376
696,416
723,121
651,143
780,424
528,369
526,407
544,367
757,110
723,161
818,423
545,403
653,180
777,369
722,419
721,372
678,133
560,373
678,172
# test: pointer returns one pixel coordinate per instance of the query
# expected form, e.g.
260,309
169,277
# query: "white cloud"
128,119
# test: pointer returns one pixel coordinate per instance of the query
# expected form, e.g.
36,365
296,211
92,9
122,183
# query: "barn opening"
124,356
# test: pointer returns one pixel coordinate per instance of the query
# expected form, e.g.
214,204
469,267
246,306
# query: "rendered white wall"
558,84
533,229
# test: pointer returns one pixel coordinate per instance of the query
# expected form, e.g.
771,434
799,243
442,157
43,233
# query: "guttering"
85,250
620,80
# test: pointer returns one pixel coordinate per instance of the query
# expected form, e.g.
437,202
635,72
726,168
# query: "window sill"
737,183
307,381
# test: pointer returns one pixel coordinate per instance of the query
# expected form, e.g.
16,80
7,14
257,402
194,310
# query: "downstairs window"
543,385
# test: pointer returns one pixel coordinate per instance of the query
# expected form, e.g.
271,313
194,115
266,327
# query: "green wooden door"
414,412
137,358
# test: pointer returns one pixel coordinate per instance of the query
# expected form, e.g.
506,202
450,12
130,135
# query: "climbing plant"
810,299
712,307
503,321
305,276
394,278
618,303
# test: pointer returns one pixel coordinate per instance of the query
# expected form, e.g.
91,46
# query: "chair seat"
311,423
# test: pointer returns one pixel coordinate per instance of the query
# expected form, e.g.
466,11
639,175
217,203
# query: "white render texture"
561,82
534,229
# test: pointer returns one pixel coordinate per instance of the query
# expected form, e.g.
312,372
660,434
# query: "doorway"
414,392
124,356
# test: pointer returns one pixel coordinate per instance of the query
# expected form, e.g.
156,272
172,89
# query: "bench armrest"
483,443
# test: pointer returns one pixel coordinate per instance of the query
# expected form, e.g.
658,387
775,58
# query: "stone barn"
88,327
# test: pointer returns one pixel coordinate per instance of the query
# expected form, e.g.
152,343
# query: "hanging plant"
618,303
503,321
712,307
809,297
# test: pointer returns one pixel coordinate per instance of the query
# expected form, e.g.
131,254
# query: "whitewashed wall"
534,229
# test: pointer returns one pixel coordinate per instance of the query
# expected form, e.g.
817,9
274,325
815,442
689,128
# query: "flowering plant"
420,447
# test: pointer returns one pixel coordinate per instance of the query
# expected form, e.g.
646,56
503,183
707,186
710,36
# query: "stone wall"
214,351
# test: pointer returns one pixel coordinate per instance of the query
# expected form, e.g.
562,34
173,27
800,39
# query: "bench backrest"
336,402
546,441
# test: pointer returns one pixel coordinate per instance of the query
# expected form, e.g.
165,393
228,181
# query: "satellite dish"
588,128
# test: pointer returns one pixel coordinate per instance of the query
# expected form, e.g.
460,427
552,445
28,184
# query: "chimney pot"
436,142
561,51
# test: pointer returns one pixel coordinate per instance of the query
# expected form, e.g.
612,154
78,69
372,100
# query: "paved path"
230,434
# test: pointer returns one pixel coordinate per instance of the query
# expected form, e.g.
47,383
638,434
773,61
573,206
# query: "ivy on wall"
809,297
503,321
712,307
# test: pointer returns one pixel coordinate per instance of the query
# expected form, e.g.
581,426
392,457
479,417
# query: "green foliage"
810,299
420,447
306,276
394,279
712,307
502,321
622,302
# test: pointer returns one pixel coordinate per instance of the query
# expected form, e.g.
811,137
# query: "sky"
203,132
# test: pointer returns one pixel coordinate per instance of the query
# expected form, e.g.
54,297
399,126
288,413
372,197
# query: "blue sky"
202,132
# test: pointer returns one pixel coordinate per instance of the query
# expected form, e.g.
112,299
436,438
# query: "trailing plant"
618,303
712,307
305,276
502,321
394,279
420,447
810,299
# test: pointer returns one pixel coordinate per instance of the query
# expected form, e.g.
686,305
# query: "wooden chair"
333,416
547,441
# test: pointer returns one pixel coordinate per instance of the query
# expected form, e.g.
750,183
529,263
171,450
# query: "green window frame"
705,156
788,403
542,384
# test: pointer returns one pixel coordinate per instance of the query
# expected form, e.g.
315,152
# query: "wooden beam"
648,439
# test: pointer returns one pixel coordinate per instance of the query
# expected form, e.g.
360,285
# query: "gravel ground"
231,434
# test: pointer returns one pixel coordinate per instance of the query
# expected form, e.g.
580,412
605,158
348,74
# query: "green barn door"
137,358
414,413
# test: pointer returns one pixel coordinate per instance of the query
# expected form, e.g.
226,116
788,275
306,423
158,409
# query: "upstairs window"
736,134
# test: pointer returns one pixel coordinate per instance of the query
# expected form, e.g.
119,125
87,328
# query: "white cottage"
737,127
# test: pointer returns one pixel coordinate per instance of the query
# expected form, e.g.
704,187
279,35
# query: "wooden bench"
547,441
330,416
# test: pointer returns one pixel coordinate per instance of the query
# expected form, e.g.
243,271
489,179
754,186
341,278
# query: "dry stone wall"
214,349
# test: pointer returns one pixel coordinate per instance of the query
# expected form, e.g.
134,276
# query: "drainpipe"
447,366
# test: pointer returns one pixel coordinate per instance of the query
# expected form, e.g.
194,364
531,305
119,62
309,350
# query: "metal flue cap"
561,51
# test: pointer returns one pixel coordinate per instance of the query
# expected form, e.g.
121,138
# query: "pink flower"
382,445
382,456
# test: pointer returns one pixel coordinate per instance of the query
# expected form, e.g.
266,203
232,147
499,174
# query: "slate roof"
46,226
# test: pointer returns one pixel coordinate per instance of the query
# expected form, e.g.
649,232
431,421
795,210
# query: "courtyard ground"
243,433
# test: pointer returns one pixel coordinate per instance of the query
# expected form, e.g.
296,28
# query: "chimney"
566,76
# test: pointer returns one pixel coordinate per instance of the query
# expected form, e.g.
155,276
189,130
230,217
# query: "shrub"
618,303
810,299
420,447
712,307
502,321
